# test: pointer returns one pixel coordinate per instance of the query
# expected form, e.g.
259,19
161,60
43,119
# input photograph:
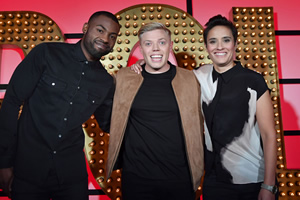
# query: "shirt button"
86,62
82,73
78,87
93,101
52,84
59,135
54,152
71,103
65,119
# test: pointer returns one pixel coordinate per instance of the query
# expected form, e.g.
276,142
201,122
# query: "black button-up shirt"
59,90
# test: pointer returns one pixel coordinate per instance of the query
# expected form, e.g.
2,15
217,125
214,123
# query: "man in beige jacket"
156,133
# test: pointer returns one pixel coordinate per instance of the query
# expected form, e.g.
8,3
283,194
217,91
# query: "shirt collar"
78,53
226,76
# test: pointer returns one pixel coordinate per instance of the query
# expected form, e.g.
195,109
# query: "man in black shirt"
60,86
156,127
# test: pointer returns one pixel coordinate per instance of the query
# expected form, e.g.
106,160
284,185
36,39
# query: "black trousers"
51,189
136,188
215,190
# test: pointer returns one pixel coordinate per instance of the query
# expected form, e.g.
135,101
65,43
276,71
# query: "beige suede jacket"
187,92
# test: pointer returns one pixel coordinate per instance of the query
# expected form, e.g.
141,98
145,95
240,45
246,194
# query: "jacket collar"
227,76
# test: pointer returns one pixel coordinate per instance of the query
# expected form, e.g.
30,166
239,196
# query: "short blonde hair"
153,26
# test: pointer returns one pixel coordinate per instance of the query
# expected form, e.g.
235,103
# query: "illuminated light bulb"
92,134
119,57
272,57
10,30
289,175
201,57
268,11
290,193
255,57
264,65
238,33
176,48
193,40
151,9
252,19
118,190
270,49
135,25
184,32
184,40
268,18
151,17
298,183
263,57
264,73
201,48
135,33
25,46
246,42
280,166
2,16
185,57
239,57
119,66
91,144
281,184
143,16
263,49
254,49
248,65
26,38
176,24
246,57
290,184
10,23
159,8
270,41
92,152
251,11
135,17
168,16
261,26
259,11
127,24
236,18
261,34
183,24
238,49
42,30
253,42
244,11
176,16
185,48
159,16
127,41
33,38
185,65
35,15
253,26
167,24
2,31
245,34
127,33
102,58
108,190
102,142
297,174
193,56
101,152
176,32
101,161
269,26
245,19
253,34
143,9
193,48
176,40
92,161
273,89
10,39
272,65
34,30
237,26
236,10
261,41
280,157
200,32
10,15
17,38
270,34
280,175
255,65
50,29
192,24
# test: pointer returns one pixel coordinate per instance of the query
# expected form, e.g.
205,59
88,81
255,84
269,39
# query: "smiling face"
221,48
155,46
99,38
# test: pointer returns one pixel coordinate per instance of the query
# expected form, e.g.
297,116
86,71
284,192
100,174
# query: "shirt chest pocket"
52,83
93,99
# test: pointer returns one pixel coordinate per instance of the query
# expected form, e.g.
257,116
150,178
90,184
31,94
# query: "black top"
154,143
60,90
229,105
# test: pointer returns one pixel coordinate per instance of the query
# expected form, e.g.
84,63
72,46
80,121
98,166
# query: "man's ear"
85,28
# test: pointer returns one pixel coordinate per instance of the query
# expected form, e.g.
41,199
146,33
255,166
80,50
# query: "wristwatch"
271,188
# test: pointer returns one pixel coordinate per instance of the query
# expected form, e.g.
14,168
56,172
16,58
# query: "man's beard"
96,54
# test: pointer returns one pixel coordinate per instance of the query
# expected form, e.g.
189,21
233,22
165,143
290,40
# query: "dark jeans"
136,188
215,190
51,189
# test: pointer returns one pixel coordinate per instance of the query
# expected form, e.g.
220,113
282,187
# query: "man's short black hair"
219,20
105,13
